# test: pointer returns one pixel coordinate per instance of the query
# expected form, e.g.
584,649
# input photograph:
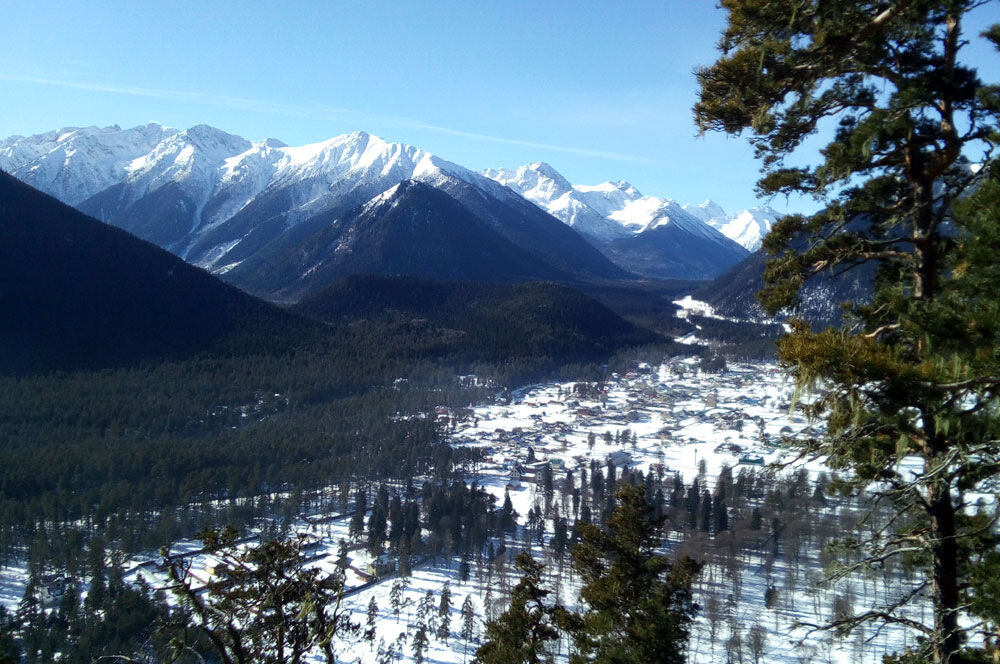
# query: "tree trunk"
944,555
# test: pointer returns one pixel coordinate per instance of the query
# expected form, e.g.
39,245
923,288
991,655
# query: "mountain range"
79,294
747,227
306,215
650,236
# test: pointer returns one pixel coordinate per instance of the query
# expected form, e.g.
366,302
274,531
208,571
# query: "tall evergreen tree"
524,633
444,614
372,618
357,525
468,624
420,641
720,516
376,530
97,571
915,371
638,604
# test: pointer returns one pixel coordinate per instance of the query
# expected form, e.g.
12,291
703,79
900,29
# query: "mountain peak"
208,137
545,169
625,187
535,181
706,211
748,227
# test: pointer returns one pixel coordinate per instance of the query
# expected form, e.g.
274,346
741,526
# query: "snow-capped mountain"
75,163
543,185
219,200
747,227
411,229
589,209
652,236
707,211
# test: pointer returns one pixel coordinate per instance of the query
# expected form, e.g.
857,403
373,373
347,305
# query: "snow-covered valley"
685,427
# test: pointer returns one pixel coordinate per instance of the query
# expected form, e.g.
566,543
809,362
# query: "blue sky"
600,90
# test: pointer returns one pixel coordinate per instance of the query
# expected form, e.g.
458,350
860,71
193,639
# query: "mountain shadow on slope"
161,216
734,293
487,322
76,293
667,252
413,229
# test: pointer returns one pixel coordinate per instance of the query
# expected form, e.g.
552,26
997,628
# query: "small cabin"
752,460
51,588
620,458
381,566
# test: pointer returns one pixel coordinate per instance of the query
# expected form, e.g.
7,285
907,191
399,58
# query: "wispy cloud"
314,112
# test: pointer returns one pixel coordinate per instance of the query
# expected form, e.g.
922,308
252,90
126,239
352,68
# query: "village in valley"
683,424
674,418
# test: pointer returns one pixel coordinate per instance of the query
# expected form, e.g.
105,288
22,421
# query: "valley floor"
680,420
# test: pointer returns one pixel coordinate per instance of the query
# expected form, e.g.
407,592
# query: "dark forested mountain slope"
494,322
77,293
672,251
412,229
734,293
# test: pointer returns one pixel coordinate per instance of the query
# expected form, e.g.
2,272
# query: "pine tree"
560,538
524,632
468,623
396,596
464,569
425,611
263,605
420,642
357,525
372,615
376,530
720,516
705,512
914,371
508,517
638,605
97,570
444,614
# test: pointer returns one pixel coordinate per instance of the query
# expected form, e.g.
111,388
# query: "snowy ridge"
214,175
75,163
545,187
610,210
747,227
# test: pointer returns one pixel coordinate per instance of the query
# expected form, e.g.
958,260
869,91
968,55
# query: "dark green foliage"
10,653
152,441
444,614
732,332
649,303
638,604
128,620
262,605
524,633
915,371
484,322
